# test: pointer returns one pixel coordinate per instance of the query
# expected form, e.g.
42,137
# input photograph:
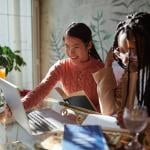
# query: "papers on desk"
106,122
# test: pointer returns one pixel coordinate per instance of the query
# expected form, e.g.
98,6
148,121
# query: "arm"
42,90
106,85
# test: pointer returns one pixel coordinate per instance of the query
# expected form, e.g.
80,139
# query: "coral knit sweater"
72,77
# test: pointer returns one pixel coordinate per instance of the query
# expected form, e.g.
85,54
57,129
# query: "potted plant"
10,60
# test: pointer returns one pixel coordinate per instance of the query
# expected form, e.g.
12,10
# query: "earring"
89,52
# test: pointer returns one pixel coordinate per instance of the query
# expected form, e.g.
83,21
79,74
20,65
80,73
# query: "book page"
106,122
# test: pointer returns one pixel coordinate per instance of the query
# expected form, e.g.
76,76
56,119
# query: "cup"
135,120
2,72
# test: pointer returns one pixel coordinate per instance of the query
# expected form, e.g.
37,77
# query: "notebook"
47,118
77,99
84,137
80,101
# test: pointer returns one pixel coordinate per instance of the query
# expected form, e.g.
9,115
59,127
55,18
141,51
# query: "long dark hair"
139,25
83,32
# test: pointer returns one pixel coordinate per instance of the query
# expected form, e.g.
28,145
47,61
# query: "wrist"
108,64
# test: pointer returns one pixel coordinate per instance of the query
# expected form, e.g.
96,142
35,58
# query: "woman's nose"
72,51
125,59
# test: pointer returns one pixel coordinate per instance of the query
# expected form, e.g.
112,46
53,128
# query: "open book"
77,99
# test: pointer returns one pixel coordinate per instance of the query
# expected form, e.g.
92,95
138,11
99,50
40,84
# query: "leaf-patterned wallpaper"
101,16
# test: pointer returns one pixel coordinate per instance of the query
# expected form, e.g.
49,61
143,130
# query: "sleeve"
106,85
42,90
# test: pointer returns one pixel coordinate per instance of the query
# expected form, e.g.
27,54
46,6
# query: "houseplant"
10,60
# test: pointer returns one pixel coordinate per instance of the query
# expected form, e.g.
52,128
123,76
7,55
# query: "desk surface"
16,133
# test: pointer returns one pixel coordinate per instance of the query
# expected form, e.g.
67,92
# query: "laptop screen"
13,99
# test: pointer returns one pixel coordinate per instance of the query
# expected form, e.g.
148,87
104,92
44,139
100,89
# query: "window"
16,31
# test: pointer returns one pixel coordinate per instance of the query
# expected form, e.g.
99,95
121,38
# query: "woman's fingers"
109,58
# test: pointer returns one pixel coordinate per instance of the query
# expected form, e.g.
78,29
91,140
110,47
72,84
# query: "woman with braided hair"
131,49
133,38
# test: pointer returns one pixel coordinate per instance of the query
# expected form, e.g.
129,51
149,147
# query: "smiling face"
126,51
77,50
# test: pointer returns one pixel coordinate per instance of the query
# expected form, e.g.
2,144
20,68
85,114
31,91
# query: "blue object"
83,137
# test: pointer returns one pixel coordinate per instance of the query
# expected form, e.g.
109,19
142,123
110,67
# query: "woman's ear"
89,46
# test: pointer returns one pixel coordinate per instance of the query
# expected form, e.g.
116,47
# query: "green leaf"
17,51
19,60
10,60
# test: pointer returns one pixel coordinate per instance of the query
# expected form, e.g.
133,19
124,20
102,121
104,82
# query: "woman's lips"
74,57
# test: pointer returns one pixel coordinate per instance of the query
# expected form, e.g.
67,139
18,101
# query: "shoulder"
96,62
60,64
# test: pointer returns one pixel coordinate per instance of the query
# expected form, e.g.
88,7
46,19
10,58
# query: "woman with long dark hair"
74,72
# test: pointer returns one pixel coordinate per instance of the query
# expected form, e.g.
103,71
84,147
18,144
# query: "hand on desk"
69,114
120,119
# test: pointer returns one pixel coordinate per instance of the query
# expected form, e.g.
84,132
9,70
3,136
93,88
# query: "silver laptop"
35,122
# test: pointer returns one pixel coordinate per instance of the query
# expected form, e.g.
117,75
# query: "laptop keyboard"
38,123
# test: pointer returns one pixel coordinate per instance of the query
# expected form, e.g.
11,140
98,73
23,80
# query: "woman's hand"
109,58
120,121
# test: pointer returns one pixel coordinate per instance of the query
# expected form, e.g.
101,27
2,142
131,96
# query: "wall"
101,15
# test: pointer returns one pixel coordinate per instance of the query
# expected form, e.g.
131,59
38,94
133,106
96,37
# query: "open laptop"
35,122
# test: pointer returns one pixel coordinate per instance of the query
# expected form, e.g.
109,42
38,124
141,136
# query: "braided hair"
138,25
83,32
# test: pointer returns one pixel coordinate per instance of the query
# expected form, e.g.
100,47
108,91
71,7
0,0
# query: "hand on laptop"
70,114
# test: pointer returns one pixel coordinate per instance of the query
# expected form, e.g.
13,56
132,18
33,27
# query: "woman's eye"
76,47
126,50
66,47
71,48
